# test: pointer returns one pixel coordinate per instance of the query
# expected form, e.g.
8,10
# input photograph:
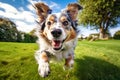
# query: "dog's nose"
56,33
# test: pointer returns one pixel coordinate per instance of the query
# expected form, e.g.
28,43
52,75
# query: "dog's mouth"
56,44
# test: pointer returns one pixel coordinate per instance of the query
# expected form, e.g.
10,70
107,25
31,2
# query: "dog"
57,36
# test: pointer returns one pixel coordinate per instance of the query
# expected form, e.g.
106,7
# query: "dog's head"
58,28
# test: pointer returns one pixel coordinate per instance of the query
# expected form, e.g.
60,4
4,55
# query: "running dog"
57,35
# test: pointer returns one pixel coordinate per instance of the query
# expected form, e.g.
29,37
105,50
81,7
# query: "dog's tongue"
56,43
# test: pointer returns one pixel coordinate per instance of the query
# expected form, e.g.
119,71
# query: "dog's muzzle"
56,42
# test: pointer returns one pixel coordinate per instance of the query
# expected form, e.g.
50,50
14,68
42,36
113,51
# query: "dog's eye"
65,23
49,23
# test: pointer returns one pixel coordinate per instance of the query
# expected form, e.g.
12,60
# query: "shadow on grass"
91,68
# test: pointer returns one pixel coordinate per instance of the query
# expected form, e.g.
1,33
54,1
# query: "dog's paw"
69,65
44,69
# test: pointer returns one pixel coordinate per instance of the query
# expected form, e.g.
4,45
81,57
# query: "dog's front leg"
69,61
43,62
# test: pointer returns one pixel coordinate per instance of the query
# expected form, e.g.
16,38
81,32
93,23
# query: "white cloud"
25,27
35,1
24,19
8,8
23,15
54,5
28,16
30,7
86,31
21,8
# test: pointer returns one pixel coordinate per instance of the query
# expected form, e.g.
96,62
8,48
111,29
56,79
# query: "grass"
97,60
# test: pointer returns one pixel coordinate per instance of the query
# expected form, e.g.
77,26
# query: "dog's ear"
72,10
42,10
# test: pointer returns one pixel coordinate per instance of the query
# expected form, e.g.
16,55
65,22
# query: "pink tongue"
56,43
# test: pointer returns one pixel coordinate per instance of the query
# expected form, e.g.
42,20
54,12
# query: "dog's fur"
57,36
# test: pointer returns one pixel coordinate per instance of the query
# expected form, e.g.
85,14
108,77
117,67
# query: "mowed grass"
99,60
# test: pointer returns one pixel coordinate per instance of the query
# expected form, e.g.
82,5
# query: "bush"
117,35
28,38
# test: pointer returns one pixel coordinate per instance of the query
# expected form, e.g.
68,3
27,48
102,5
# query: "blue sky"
23,14
57,4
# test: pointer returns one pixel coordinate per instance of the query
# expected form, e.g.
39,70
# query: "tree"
117,35
28,38
101,14
8,31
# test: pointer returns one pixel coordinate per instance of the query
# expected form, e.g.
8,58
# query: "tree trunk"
102,34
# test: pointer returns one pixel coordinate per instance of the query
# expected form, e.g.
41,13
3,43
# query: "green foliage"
97,60
100,12
8,31
117,35
28,38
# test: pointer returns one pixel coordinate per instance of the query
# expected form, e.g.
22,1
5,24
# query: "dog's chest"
68,48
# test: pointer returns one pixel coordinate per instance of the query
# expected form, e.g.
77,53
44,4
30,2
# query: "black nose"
56,33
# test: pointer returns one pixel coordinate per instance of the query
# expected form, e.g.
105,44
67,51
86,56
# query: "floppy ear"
42,10
72,10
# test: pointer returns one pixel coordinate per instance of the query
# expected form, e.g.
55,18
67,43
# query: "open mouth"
56,44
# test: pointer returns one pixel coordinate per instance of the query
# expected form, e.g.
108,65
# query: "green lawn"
99,60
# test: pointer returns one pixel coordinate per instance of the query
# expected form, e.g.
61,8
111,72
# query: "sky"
23,14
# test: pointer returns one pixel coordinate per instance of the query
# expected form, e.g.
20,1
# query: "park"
97,56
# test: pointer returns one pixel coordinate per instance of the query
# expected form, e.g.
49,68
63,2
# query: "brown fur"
52,18
73,9
41,10
67,61
72,35
75,5
63,18
44,57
